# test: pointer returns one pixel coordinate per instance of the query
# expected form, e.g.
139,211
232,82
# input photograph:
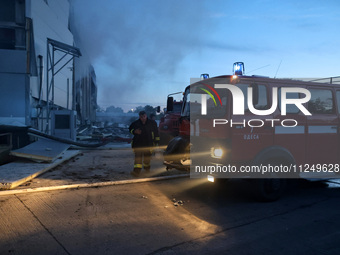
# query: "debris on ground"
177,203
106,134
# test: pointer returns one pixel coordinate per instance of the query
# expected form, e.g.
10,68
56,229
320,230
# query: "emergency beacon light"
238,68
204,76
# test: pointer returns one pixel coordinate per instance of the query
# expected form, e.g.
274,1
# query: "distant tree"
114,109
150,110
100,109
139,109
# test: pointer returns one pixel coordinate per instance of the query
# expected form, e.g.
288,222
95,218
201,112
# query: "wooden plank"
44,150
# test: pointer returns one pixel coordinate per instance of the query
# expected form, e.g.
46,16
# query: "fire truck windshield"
176,107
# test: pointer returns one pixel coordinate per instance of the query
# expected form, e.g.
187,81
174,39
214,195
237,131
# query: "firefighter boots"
136,172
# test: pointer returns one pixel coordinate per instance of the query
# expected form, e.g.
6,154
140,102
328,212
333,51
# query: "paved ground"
143,219
91,166
182,216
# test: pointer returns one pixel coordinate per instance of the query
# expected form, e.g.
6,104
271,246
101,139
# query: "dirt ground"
91,166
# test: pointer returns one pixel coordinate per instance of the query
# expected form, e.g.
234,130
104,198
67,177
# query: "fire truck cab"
169,124
237,126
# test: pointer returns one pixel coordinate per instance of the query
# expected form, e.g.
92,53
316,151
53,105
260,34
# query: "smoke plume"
135,45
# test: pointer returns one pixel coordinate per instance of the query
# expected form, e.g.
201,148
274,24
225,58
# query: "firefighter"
146,136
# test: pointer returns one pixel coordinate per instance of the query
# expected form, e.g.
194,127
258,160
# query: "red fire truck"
263,129
169,124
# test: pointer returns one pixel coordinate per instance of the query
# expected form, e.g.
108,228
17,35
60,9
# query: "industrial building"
46,81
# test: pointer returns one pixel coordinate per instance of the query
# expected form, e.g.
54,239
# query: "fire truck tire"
270,189
275,155
177,146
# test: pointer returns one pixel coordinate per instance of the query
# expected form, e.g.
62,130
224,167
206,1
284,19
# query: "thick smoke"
135,45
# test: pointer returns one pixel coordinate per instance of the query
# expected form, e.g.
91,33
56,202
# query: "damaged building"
46,81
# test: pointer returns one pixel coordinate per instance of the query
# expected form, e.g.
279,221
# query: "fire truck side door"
291,138
322,145
251,133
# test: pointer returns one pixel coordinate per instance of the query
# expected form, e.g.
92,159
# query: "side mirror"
170,104
158,109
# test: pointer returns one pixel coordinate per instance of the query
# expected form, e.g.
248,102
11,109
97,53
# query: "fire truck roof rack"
260,76
175,93
331,80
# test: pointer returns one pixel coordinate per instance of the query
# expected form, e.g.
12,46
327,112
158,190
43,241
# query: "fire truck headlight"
216,152
210,178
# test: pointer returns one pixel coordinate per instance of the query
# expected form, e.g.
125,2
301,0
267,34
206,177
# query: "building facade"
42,69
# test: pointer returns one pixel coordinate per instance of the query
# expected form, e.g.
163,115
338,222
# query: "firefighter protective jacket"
149,136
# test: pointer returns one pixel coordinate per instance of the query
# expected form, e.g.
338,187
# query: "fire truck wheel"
176,150
268,190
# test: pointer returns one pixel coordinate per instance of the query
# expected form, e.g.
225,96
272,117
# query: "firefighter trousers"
142,159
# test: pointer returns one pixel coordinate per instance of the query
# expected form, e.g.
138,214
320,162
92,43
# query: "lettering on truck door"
251,131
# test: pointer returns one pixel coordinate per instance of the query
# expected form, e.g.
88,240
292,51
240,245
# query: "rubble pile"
106,134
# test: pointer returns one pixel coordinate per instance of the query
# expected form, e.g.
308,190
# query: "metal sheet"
16,173
44,150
